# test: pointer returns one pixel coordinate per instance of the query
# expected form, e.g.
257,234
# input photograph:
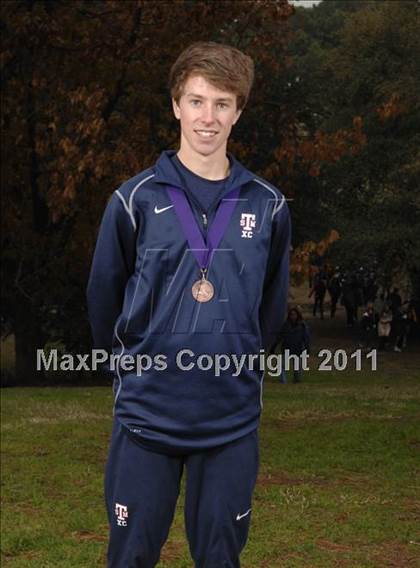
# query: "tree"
365,74
86,104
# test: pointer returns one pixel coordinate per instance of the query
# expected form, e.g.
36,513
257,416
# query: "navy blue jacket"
140,302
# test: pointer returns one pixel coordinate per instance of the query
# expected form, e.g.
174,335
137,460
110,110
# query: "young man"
191,260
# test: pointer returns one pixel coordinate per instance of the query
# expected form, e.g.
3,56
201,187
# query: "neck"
208,167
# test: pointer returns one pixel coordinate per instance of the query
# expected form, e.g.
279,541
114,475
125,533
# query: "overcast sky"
304,3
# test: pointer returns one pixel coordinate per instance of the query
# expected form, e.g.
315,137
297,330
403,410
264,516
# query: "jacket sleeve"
276,284
112,265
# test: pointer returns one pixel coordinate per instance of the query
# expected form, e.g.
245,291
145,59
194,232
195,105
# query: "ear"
237,115
176,109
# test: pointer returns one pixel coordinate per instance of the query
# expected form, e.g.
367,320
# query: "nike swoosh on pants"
239,517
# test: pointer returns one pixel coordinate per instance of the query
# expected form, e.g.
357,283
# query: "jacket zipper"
204,216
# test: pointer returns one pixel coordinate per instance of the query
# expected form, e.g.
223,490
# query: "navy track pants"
142,487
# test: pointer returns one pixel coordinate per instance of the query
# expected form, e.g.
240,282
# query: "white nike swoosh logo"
157,211
239,517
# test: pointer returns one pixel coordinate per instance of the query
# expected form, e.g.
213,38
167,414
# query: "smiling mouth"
206,133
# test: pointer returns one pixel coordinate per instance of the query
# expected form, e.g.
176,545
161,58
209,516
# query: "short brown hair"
223,66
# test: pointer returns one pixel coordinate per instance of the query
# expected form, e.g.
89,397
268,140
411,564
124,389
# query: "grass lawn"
337,484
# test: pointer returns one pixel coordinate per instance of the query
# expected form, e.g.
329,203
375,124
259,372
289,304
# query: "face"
207,115
293,316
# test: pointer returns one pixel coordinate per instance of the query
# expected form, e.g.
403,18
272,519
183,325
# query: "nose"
208,114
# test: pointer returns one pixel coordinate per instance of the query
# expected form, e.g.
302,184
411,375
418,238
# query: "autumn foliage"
85,106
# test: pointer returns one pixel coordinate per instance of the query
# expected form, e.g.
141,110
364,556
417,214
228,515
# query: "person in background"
318,291
411,319
371,288
406,320
325,272
295,339
334,290
395,303
384,327
314,268
395,300
348,300
367,328
358,291
378,306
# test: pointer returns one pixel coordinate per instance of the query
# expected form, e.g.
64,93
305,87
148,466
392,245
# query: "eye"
195,102
222,105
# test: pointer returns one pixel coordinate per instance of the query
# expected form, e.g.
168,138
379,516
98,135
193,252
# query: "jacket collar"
166,172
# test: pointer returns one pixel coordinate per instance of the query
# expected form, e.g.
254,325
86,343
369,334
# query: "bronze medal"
203,246
202,290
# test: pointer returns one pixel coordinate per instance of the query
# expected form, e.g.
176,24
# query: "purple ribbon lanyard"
202,250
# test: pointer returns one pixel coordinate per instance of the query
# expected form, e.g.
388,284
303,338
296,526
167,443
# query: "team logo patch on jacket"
248,222
122,514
